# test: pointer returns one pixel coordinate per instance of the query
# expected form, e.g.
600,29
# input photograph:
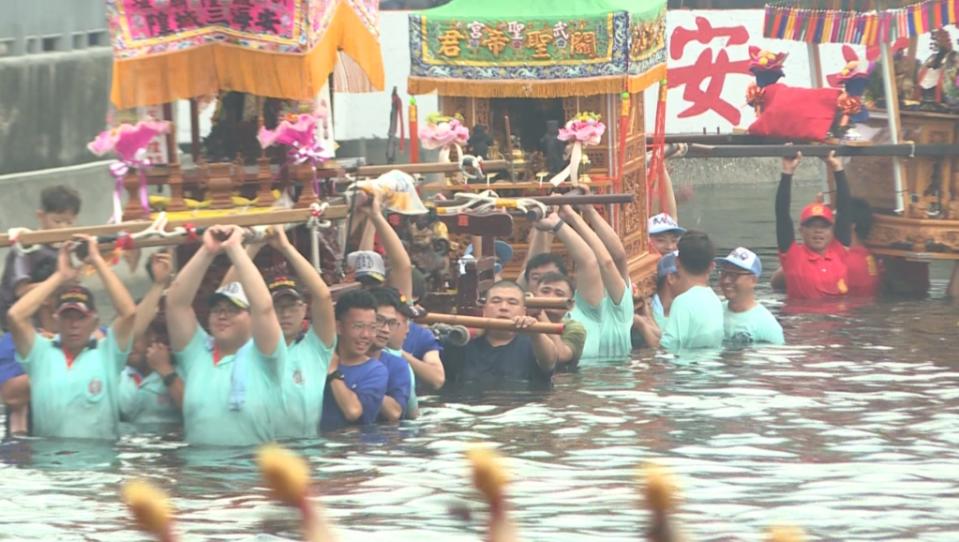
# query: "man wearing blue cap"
664,233
745,320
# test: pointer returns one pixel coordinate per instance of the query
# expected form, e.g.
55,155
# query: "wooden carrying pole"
285,216
429,167
479,322
905,150
548,303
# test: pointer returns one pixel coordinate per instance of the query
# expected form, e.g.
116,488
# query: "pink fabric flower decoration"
295,130
437,135
588,131
127,140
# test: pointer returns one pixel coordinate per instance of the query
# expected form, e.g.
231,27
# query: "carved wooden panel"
451,105
481,112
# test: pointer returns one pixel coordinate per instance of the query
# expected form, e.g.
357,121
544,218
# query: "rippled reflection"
852,431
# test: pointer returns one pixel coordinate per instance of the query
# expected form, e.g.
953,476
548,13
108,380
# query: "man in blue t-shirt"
14,388
499,357
399,387
355,383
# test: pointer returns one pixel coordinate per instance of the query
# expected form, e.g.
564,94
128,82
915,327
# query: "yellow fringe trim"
641,82
518,89
502,88
209,69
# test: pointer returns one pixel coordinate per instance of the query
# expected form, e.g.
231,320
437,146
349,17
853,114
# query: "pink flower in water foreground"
584,128
442,132
127,140
294,130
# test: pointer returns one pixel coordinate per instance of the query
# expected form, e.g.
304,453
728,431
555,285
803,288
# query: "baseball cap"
667,265
663,223
745,259
232,292
366,263
503,250
76,298
816,210
282,285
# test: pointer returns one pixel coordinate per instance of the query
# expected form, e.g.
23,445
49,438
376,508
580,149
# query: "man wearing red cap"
815,268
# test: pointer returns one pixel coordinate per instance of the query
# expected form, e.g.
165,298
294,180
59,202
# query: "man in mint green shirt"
603,301
233,375
696,316
745,320
310,346
73,375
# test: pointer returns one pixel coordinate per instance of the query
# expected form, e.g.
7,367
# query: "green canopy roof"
538,48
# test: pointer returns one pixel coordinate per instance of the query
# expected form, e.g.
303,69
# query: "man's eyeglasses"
392,323
226,310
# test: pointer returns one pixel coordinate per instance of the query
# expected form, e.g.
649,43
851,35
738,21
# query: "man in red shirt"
815,268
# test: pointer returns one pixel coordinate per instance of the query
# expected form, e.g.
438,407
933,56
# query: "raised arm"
785,234
266,327
613,281
20,315
843,200
539,243
180,318
119,295
589,280
161,267
321,301
610,239
401,268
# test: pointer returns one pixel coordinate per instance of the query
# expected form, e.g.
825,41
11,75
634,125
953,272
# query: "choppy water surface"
851,431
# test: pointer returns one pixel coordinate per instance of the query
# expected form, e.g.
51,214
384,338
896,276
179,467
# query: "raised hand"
548,222
92,248
65,266
523,322
213,240
833,161
791,163
277,238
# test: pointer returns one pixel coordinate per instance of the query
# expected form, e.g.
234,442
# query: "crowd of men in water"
277,358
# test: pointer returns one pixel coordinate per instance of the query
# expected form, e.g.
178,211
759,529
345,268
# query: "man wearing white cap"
233,375
745,320
664,233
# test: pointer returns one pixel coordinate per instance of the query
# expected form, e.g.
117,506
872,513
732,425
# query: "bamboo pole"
905,150
428,167
548,303
479,322
585,199
285,216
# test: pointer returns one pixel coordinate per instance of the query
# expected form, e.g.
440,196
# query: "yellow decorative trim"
206,70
